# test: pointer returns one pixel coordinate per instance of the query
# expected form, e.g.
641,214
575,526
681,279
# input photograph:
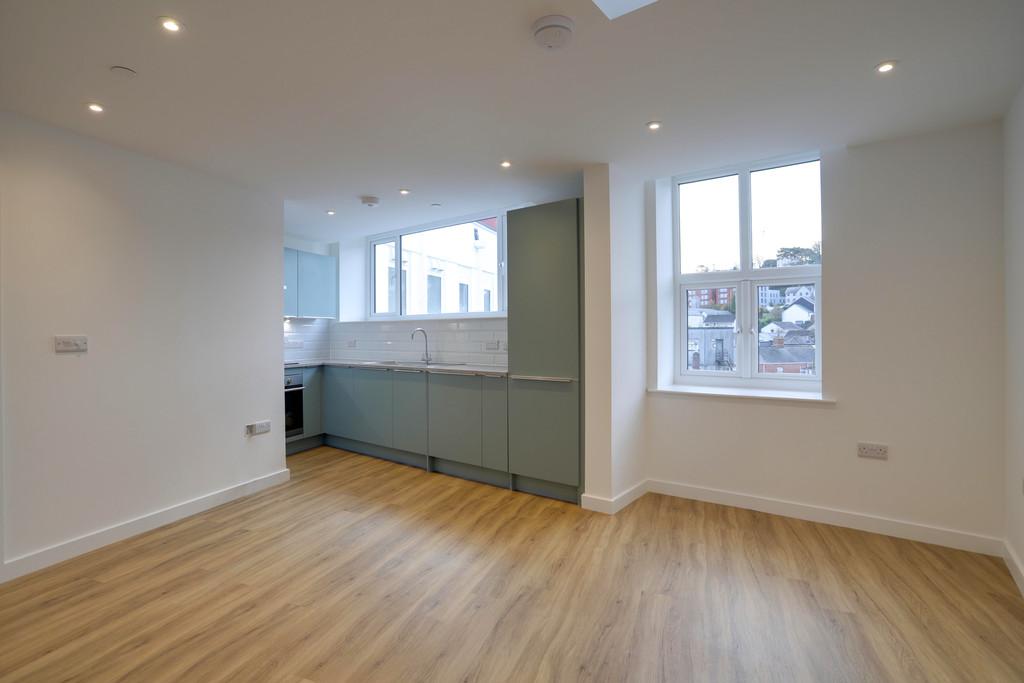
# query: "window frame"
397,303
746,280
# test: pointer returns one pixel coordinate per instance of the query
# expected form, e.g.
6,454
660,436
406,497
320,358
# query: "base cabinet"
410,411
545,441
456,418
359,404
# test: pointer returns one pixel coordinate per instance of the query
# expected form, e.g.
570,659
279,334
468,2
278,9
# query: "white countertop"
496,370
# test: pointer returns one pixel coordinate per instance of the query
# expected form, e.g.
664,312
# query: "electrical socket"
493,345
875,451
257,428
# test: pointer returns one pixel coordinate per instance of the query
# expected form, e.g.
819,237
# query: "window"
445,270
748,276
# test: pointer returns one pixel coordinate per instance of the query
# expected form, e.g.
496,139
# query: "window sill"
736,392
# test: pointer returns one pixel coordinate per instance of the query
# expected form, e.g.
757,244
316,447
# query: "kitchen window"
451,269
747,261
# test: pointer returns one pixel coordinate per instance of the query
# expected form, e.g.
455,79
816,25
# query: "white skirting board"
30,562
1013,561
950,538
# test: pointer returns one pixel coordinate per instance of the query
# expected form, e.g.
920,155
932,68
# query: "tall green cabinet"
544,342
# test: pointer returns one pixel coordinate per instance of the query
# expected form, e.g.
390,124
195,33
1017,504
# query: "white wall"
1014,253
628,341
175,276
913,338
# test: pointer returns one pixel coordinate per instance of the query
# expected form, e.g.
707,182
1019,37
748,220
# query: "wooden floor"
362,570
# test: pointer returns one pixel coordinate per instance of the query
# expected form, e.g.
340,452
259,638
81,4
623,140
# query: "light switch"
71,344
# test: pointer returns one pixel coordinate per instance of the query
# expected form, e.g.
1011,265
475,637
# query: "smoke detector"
553,32
369,200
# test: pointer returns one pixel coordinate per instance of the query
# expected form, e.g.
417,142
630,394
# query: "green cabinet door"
318,285
494,407
410,412
291,282
359,404
312,380
455,418
544,430
543,290
544,342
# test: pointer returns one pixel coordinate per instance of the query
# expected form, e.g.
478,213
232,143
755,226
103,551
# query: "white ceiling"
320,101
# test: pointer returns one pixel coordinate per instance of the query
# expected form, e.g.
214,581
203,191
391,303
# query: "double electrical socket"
875,451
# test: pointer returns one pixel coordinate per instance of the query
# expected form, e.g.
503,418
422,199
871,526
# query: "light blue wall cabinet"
318,285
544,342
359,404
494,407
291,282
312,380
410,411
456,418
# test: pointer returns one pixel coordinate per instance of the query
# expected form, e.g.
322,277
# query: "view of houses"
785,329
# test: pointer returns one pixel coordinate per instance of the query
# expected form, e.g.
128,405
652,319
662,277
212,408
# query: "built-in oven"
293,403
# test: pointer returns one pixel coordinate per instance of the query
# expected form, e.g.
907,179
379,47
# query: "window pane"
786,215
786,329
384,278
709,225
451,269
711,329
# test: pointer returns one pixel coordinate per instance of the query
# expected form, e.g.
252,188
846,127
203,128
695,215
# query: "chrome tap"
426,344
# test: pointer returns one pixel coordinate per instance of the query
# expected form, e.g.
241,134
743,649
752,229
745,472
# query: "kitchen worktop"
494,370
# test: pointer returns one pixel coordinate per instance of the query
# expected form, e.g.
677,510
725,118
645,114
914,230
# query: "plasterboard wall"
914,352
175,277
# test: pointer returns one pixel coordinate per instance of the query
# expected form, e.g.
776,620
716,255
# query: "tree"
798,256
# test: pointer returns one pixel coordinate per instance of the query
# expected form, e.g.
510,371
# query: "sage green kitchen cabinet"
544,342
312,381
318,285
544,430
494,408
359,404
291,283
410,410
455,418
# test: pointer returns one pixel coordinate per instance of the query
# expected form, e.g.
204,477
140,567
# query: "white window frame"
396,237
745,280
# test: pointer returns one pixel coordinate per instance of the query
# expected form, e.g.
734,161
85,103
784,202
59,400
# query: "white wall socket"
257,428
877,451
70,344
492,345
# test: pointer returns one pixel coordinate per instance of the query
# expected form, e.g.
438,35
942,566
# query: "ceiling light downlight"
506,164
329,212
404,192
170,24
95,107
654,125
886,67
553,31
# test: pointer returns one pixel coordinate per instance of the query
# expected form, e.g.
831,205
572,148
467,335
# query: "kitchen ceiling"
320,101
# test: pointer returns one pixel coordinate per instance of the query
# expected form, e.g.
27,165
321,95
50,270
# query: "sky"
785,212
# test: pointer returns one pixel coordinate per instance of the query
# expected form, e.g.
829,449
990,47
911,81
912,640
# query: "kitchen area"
478,379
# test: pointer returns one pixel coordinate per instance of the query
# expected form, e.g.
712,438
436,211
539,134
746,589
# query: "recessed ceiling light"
506,164
885,67
404,192
330,212
96,108
170,24
654,125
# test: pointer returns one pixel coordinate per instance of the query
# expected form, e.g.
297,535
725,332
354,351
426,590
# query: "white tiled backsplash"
478,341
307,339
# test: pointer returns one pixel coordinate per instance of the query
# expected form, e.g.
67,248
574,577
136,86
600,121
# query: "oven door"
293,411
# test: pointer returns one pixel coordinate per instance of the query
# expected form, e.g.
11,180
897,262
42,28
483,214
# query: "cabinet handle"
367,367
533,378
415,372
453,372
